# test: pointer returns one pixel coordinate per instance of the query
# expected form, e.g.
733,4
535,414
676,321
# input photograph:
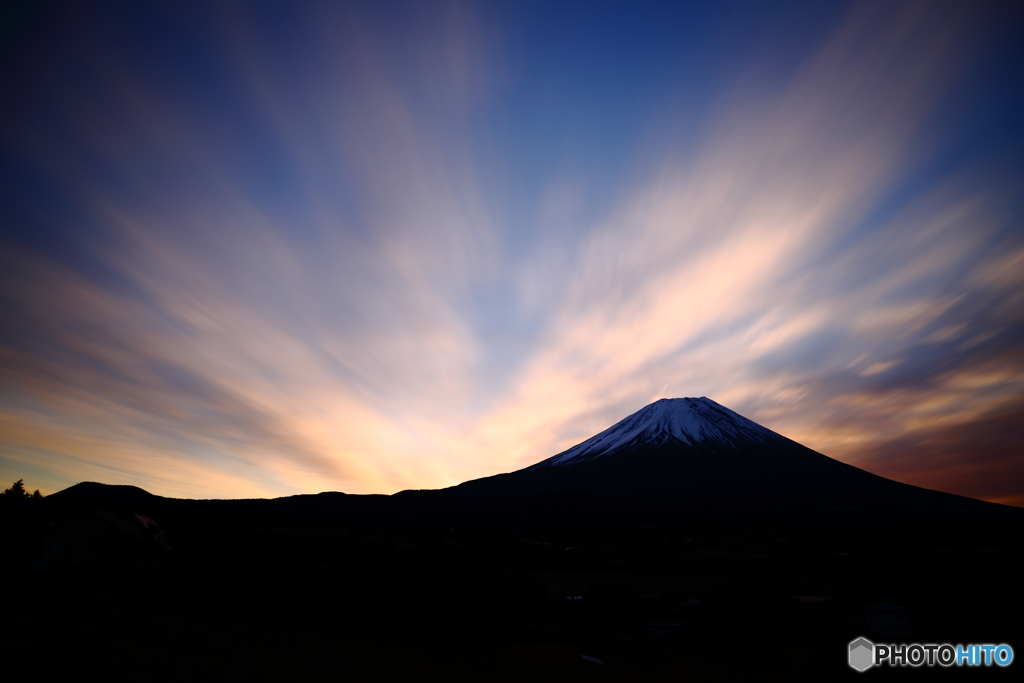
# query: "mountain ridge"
686,462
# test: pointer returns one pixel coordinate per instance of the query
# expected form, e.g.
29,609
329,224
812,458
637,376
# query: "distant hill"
689,463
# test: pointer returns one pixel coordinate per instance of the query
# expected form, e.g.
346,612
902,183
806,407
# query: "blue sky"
264,248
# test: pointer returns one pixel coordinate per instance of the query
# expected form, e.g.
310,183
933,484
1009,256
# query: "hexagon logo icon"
862,654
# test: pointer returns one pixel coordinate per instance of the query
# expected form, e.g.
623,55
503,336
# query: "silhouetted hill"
682,463
667,546
105,495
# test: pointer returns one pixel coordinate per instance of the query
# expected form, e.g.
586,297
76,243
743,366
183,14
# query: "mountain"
104,495
681,534
677,422
690,462
686,463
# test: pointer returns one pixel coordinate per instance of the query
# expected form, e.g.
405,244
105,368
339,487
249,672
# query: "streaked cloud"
300,272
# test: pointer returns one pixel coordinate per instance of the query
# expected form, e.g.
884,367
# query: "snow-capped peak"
686,420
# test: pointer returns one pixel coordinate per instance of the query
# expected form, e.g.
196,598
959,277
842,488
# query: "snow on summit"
687,420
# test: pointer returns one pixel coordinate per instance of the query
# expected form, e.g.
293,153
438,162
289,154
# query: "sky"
261,249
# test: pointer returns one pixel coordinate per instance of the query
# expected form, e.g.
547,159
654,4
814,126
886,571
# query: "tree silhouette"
18,491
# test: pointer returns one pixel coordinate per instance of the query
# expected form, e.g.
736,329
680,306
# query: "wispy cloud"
749,273
303,281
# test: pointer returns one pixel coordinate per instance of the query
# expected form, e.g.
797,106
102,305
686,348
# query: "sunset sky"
259,249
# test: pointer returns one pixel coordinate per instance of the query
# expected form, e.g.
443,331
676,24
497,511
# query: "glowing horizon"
370,247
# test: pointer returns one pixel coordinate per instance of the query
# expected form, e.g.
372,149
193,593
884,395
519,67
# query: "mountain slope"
685,463
675,421
691,462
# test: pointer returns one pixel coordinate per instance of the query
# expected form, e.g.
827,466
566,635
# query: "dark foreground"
235,600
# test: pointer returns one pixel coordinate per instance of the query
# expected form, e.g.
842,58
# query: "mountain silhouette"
686,462
682,530
691,462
